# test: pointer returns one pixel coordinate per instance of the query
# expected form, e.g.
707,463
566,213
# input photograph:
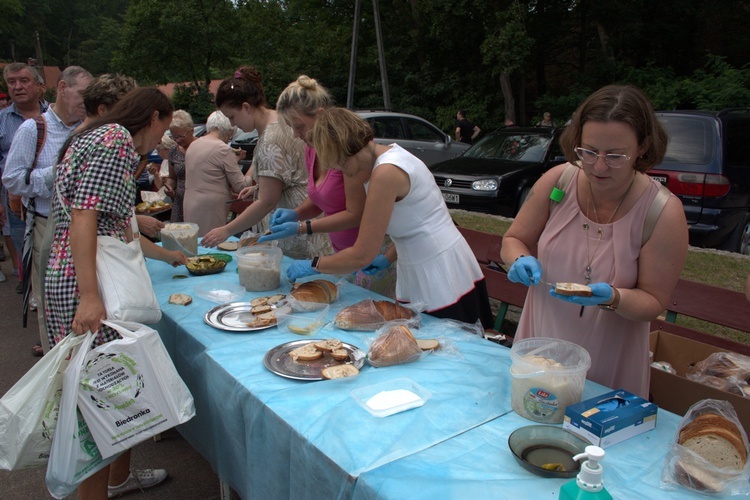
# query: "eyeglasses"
612,160
179,137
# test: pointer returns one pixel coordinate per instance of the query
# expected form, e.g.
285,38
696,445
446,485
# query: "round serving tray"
233,317
278,361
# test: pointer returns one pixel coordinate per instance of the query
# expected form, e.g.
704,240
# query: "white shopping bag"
29,410
74,455
130,390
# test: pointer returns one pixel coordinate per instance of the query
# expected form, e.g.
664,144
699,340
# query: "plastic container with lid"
182,236
548,375
259,267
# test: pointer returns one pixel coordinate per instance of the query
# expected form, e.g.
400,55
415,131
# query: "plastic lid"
590,477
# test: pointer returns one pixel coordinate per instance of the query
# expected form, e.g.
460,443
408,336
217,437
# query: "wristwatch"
615,301
314,262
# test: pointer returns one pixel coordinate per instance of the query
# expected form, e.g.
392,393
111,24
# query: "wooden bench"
486,248
708,303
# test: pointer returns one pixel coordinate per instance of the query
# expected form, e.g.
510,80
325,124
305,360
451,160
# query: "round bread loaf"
716,439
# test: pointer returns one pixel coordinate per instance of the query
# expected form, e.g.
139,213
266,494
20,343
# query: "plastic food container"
259,267
391,397
301,323
220,291
182,236
548,375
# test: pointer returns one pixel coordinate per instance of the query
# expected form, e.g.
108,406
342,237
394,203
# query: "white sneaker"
3,279
138,480
32,303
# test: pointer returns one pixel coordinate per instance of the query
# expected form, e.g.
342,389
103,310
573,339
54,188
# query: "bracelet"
309,227
300,228
615,301
314,263
522,255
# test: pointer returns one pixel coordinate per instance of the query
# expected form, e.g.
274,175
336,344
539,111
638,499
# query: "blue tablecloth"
273,437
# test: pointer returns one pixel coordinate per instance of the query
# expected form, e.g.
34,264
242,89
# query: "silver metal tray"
278,361
233,317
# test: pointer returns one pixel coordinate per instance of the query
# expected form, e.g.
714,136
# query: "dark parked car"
246,141
495,174
707,165
416,135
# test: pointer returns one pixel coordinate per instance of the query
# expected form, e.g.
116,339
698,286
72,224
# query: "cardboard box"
675,392
610,418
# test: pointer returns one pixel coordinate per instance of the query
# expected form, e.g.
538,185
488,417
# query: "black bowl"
536,445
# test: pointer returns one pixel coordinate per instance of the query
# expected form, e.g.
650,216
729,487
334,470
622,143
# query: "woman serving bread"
607,225
435,265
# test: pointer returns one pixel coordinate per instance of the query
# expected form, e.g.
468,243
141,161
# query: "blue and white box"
610,418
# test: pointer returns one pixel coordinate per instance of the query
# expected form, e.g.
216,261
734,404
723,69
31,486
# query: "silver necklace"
589,255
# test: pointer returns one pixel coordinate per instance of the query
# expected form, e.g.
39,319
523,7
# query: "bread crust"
180,299
573,290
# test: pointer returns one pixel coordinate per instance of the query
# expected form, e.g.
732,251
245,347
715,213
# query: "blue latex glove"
526,270
381,262
299,269
602,295
280,231
282,215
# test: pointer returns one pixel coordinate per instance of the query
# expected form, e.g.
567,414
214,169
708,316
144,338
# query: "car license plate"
450,198
660,178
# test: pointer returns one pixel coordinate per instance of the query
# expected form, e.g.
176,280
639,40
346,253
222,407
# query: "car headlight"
484,185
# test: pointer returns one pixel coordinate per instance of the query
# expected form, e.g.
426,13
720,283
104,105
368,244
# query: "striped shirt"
21,157
10,120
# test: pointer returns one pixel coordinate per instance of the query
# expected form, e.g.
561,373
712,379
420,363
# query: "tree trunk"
604,41
510,103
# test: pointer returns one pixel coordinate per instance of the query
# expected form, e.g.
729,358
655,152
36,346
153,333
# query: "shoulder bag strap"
653,212
41,136
562,184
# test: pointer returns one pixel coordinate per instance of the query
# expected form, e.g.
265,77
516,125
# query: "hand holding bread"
591,295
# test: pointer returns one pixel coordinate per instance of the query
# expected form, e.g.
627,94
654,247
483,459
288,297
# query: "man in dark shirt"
465,130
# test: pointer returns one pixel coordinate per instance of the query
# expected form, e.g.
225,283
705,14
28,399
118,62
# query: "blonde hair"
304,96
338,134
181,119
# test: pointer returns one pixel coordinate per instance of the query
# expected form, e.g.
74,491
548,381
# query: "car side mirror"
448,140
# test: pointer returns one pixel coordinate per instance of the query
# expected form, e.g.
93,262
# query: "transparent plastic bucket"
182,236
548,376
259,267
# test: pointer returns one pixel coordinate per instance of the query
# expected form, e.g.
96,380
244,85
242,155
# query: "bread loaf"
319,291
573,289
716,439
395,346
371,314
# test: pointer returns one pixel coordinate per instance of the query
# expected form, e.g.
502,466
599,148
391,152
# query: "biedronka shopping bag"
29,410
74,455
130,390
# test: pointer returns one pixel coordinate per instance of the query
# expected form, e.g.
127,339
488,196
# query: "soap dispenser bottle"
588,483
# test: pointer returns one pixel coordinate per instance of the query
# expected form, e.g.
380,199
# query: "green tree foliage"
177,40
196,100
441,55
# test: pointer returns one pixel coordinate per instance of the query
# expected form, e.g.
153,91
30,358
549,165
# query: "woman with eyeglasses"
181,129
601,221
278,166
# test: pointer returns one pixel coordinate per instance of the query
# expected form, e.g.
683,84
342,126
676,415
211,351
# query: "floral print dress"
96,173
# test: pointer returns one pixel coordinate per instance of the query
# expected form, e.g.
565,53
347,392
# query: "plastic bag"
29,410
726,371
685,468
664,366
74,455
369,315
129,389
394,345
